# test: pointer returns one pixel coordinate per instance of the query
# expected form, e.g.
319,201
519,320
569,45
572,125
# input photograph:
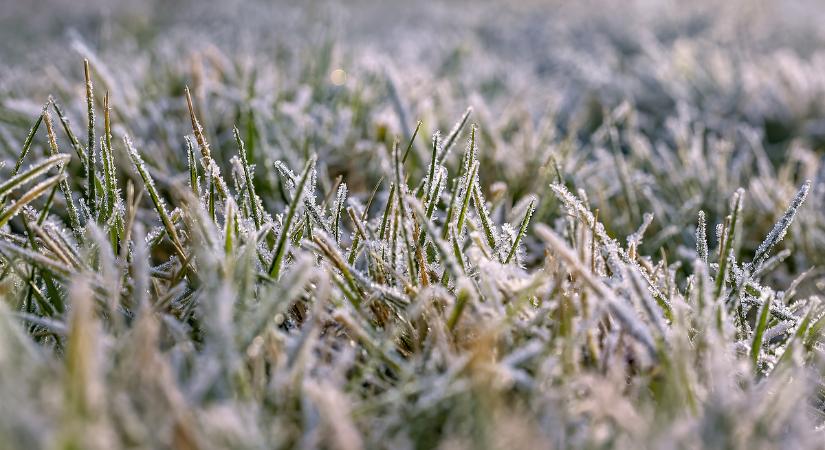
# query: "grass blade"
761,326
283,237
157,201
247,173
74,219
522,229
91,194
38,168
30,196
780,228
29,138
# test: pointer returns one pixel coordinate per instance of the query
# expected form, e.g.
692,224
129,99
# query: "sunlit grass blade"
29,196
196,127
35,170
194,178
108,160
74,219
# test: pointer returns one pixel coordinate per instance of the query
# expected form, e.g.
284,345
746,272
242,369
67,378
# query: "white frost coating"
780,228
440,182
702,238
505,242
287,175
337,211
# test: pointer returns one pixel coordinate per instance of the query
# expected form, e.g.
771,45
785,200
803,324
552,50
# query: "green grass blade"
283,237
247,173
522,229
761,326
428,186
157,201
454,133
74,219
108,160
37,169
194,178
402,217
412,141
67,128
468,194
780,228
484,216
91,189
29,138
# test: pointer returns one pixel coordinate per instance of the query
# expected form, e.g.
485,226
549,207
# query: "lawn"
258,225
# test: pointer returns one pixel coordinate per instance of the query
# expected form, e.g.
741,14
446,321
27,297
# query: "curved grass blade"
30,196
38,168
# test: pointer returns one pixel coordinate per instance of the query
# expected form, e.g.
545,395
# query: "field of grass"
257,225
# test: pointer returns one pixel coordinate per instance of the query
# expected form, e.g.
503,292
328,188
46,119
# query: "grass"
274,259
